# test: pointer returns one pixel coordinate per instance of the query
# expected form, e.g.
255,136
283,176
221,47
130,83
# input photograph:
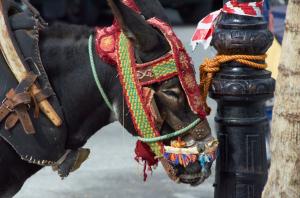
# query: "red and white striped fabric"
206,26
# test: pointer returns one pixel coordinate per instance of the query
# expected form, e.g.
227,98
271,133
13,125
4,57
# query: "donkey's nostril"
201,131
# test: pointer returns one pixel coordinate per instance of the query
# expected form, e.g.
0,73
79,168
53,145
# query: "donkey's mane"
63,42
63,30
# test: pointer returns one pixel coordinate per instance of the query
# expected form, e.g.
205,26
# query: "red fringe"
146,156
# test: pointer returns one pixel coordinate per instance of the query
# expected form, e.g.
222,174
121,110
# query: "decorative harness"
113,46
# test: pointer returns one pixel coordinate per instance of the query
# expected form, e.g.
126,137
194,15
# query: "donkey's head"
171,104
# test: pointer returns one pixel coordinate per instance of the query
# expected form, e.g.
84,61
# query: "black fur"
67,64
64,52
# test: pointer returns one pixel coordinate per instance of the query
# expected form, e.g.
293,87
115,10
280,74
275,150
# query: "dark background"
97,12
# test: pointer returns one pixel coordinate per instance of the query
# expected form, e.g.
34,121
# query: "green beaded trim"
127,71
164,68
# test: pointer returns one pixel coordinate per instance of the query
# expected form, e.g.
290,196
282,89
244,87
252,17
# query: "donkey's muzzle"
201,131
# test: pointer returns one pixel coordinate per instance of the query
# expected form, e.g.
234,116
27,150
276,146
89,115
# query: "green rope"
96,77
171,135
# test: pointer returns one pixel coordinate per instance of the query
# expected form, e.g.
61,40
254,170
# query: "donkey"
66,60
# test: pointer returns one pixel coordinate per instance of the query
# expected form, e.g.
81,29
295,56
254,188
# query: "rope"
171,135
96,77
212,66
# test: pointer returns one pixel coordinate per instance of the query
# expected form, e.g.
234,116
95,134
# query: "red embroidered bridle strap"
185,69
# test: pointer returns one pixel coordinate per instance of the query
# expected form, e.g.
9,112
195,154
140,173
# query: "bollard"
241,121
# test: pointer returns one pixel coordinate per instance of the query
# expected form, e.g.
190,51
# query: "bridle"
110,106
114,48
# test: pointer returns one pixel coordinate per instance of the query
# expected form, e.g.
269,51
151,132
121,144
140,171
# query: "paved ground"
111,171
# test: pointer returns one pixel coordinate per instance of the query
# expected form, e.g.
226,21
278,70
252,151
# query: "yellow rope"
212,66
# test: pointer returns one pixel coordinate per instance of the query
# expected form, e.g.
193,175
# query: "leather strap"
11,121
4,110
14,99
16,104
25,120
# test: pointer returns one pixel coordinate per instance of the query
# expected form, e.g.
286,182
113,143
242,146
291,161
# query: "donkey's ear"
152,8
134,26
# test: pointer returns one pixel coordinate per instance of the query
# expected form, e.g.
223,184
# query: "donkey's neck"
64,51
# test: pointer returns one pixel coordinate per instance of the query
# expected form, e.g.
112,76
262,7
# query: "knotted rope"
211,66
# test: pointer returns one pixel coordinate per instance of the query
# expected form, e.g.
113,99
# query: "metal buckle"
6,106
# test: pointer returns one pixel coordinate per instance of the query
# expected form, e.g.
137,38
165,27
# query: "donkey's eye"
171,93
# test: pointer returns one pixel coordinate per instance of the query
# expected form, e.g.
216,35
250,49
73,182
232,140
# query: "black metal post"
241,93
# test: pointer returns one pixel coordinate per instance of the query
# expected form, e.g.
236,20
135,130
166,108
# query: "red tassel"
144,154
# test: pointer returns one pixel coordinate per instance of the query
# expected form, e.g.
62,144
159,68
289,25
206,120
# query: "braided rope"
211,66
95,75
171,135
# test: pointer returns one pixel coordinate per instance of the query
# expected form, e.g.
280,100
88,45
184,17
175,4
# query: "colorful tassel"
180,159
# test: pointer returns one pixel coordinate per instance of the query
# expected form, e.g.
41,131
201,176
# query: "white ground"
111,171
